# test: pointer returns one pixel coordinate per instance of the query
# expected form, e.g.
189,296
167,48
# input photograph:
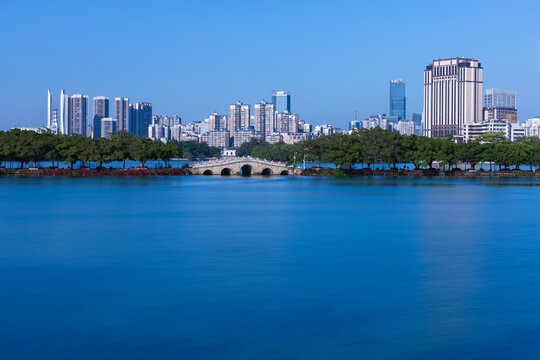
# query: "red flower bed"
85,172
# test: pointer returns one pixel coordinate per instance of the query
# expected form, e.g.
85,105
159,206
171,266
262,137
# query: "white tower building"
452,96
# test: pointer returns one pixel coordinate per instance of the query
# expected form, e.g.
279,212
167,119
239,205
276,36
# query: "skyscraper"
264,120
240,115
75,114
398,100
52,115
140,117
106,127
121,113
49,109
281,101
101,110
63,126
452,96
417,120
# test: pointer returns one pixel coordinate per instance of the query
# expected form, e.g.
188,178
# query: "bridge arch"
266,172
246,170
226,172
245,166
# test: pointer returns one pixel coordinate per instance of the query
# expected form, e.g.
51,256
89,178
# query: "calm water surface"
277,268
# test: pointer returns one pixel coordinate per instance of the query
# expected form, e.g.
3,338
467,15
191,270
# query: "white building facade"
452,96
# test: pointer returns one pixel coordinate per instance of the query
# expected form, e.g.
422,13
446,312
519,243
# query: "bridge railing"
236,160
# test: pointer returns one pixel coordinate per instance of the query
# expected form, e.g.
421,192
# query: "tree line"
364,146
24,146
378,146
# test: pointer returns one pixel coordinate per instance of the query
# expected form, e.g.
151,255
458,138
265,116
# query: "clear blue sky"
195,57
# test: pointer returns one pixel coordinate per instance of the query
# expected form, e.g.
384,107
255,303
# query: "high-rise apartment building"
452,96
500,105
106,127
264,120
63,127
240,115
52,115
101,111
243,136
286,122
121,113
74,113
217,138
398,100
217,122
140,117
281,101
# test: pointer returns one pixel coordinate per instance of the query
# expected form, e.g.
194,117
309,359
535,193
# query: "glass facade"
398,101
281,101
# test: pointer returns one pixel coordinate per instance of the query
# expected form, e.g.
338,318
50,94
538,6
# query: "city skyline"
335,64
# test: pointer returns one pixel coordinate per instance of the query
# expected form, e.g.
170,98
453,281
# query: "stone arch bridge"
242,166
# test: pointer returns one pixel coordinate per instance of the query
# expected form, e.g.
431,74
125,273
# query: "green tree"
531,147
247,148
194,150
101,151
142,150
167,152
121,143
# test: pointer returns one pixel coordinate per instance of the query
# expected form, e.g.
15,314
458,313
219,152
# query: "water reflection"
266,268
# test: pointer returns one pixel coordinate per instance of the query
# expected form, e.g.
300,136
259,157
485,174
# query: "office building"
417,120
452,96
499,98
240,115
281,101
140,117
106,127
75,114
398,100
101,111
510,131
121,113
264,119
500,105
492,113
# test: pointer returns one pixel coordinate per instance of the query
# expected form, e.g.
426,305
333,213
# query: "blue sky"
194,57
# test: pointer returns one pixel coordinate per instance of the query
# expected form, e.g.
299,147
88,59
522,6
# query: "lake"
269,268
